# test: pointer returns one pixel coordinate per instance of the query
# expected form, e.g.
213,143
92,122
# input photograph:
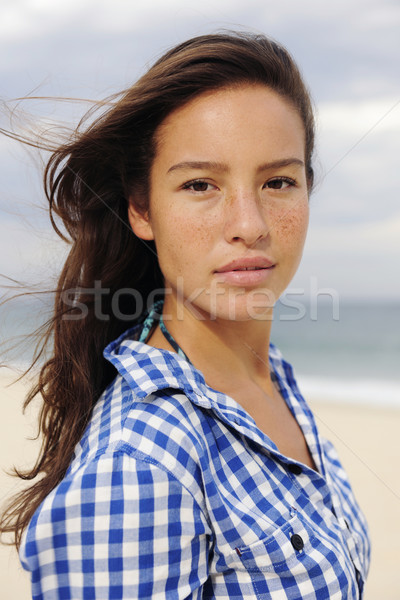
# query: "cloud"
358,145
359,117
29,19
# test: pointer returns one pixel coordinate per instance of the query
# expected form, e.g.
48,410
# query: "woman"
185,462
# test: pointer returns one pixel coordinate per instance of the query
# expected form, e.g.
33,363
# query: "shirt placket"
325,490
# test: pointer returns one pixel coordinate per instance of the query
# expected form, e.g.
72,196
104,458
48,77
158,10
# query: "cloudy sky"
349,53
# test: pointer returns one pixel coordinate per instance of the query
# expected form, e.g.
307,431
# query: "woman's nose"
246,218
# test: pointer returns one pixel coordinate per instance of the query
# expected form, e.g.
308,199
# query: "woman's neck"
224,351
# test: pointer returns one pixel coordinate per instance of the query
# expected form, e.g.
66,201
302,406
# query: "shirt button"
295,469
297,541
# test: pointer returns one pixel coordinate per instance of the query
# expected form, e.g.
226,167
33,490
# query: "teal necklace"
149,323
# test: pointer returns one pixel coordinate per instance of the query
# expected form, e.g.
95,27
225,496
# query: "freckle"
291,222
288,223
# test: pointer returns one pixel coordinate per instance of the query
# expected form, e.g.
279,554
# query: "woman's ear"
140,222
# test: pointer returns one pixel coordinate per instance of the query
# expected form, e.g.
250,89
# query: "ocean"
347,352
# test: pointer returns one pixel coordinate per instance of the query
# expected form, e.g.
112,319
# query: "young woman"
184,462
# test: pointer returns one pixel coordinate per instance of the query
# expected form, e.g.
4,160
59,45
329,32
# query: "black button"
297,541
295,469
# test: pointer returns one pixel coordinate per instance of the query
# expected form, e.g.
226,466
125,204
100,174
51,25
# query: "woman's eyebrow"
224,168
200,164
283,162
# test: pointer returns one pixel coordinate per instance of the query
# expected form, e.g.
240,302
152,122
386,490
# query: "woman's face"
228,206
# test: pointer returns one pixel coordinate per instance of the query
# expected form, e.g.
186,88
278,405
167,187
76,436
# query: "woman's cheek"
294,225
197,234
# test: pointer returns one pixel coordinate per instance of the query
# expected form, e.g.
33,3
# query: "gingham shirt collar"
147,369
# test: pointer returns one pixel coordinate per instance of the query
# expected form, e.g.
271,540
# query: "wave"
373,392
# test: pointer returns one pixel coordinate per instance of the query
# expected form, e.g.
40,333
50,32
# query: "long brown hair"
87,183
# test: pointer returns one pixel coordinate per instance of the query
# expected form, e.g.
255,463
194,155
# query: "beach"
367,438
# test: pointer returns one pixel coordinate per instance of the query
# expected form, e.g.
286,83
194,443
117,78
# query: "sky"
348,52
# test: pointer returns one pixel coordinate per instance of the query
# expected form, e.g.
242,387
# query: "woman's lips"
246,271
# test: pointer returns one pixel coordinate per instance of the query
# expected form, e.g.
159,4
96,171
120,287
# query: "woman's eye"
198,186
280,183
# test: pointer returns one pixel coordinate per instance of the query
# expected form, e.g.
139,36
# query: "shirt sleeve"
119,528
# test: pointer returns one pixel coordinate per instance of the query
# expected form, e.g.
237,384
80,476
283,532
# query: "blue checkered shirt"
173,492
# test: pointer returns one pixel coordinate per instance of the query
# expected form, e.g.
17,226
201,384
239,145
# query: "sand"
368,440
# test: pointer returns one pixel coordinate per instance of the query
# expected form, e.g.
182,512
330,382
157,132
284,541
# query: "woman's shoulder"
157,428
135,456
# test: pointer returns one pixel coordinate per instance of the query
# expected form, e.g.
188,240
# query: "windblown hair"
88,182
